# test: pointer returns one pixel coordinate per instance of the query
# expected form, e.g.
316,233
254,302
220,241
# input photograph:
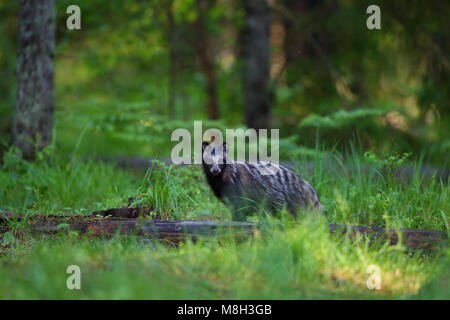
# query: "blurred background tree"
256,57
34,110
137,69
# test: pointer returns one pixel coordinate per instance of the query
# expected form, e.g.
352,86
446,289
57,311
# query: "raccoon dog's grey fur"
245,188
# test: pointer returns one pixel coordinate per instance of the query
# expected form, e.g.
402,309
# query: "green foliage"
386,165
178,193
340,118
121,58
54,184
353,191
291,149
119,128
8,238
301,262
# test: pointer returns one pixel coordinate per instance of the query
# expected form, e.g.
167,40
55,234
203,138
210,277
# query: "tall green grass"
57,184
299,261
354,189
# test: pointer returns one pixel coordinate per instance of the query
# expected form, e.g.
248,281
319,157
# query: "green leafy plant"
340,118
387,164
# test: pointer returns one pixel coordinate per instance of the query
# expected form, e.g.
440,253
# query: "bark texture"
33,116
256,51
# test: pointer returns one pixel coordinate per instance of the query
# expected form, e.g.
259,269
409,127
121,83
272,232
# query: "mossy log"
133,221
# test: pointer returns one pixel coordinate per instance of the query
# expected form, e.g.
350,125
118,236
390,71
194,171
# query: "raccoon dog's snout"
215,170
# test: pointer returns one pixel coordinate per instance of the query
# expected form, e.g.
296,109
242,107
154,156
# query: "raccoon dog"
247,187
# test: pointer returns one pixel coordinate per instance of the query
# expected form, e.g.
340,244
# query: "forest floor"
300,262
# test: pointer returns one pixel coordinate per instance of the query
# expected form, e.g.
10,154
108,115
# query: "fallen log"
127,213
129,221
411,238
166,230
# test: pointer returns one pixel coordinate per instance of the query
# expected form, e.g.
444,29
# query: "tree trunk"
256,51
207,63
33,117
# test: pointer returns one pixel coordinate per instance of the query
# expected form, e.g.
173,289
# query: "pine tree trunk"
256,51
33,117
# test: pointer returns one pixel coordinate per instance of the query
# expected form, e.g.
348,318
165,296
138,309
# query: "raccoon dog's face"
214,157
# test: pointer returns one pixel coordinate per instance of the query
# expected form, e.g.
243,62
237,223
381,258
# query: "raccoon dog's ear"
204,145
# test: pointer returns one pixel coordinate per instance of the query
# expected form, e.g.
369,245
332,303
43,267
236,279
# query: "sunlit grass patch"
302,262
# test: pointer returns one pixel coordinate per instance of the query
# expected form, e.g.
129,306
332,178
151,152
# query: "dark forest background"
139,69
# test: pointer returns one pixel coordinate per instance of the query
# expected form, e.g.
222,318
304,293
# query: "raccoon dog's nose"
215,170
